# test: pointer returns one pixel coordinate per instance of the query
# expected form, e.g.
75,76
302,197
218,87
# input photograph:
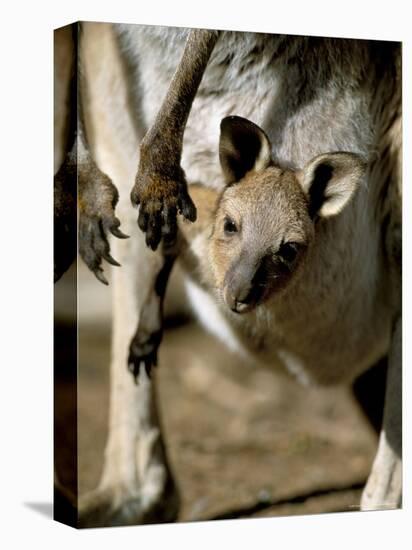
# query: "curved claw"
187,207
148,367
143,353
113,225
110,259
117,233
100,276
94,245
169,227
142,219
134,371
153,231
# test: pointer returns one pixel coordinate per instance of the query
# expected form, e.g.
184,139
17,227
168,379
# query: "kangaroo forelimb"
160,187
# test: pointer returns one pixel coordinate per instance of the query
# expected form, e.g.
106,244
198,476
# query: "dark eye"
229,226
288,252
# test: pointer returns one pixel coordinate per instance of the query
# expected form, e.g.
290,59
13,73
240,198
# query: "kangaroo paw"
97,200
161,199
143,352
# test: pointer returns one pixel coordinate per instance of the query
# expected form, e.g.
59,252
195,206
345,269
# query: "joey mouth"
246,303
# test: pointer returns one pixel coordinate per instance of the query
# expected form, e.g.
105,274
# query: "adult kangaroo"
317,118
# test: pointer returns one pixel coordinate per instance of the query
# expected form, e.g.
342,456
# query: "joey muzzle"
244,285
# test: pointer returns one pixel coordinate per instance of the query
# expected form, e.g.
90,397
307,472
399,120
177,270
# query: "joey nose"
238,298
244,283
237,302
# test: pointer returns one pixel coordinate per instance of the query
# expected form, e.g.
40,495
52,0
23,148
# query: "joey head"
266,217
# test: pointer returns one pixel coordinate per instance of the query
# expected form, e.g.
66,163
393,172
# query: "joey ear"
330,181
243,147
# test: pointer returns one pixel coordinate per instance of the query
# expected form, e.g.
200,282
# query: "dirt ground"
242,442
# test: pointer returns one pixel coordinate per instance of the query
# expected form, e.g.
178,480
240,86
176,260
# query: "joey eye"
288,252
229,226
